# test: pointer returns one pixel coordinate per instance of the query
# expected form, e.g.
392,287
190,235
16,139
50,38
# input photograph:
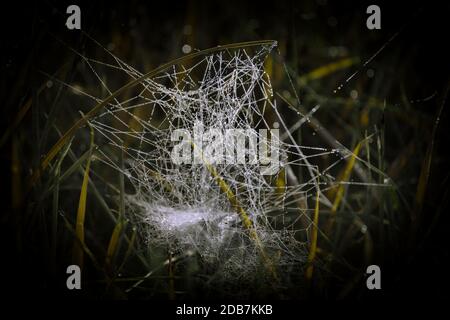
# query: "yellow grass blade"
325,70
345,176
78,253
115,236
113,241
268,66
246,221
313,247
232,198
83,245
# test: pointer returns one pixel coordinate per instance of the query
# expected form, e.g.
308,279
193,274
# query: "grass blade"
78,252
345,176
55,202
327,69
313,247
115,237
113,241
246,221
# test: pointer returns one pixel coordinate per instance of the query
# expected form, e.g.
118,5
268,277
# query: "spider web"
183,206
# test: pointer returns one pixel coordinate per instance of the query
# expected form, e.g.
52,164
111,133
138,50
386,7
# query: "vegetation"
369,107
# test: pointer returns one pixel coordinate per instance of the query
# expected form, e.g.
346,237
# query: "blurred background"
398,93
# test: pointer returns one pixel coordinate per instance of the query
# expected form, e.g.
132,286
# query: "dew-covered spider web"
236,218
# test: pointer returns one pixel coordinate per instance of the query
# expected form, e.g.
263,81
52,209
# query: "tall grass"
66,207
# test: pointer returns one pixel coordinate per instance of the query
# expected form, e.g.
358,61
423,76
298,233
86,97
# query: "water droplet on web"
338,88
186,49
